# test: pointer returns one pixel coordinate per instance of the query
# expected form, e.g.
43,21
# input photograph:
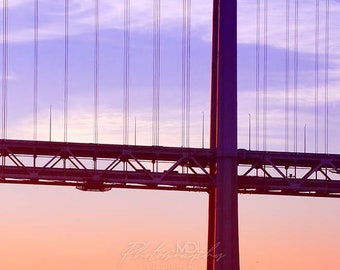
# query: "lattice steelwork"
299,174
100,167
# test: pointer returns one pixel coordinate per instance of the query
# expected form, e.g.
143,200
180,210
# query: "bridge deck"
100,167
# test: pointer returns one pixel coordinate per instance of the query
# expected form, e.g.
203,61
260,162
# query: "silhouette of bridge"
222,170
105,166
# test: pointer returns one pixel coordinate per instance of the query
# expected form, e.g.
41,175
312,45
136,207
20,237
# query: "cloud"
81,19
111,17
277,24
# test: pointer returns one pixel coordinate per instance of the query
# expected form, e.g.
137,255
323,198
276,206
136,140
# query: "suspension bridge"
222,170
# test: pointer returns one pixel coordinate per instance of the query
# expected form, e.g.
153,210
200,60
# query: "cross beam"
282,173
100,167
104,166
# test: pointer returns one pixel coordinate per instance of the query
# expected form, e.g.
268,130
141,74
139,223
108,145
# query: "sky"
63,228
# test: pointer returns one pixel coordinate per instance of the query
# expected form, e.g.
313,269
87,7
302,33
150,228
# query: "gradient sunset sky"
63,228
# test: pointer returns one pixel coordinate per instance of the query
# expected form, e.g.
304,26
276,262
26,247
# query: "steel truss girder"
100,167
287,173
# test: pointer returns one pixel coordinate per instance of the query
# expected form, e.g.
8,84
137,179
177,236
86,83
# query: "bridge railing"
288,173
101,167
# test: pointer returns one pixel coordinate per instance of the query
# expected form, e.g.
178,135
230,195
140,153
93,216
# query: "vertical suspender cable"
126,72
316,70
96,71
265,73
156,71
4,67
50,134
186,72
183,69
159,66
326,73
66,65
203,129
296,65
287,73
135,141
258,37
36,55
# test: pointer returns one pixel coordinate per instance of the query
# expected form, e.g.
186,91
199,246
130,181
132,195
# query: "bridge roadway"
101,167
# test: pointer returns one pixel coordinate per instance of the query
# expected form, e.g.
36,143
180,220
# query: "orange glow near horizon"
62,228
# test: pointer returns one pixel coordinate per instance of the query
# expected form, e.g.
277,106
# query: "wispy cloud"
81,12
111,16
276,34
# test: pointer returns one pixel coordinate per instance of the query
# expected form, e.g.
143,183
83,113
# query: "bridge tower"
223,243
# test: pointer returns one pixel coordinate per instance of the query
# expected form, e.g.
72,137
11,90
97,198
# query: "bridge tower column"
223,217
